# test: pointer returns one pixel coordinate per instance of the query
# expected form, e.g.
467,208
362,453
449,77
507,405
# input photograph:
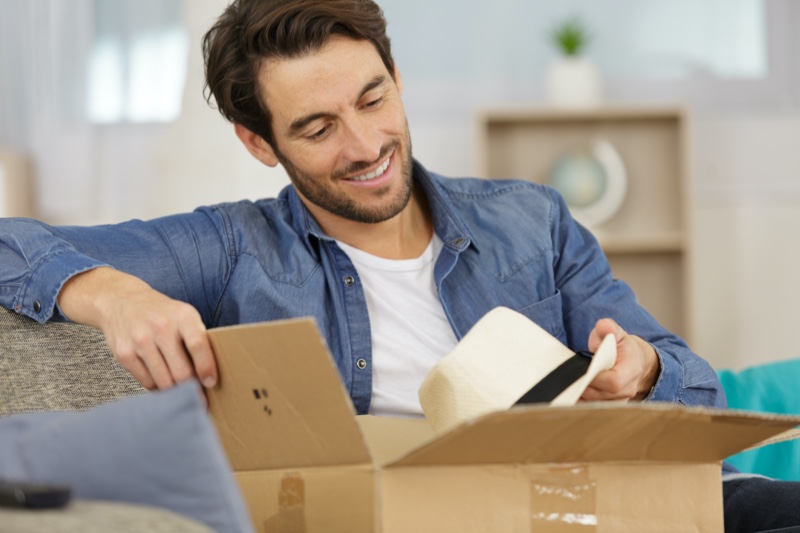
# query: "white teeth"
374,174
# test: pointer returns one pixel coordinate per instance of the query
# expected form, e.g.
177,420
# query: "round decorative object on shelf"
592,180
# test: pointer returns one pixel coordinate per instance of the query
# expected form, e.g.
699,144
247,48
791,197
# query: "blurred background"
102,115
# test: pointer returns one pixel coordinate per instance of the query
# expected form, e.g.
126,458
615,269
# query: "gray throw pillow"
158,449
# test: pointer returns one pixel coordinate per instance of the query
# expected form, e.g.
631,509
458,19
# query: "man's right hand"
160,341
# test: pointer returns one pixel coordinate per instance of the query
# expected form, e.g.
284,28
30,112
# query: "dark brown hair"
252,31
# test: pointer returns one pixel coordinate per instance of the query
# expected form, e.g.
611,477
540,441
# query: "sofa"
69,410
57,366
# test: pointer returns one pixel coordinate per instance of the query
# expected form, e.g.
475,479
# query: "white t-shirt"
410,331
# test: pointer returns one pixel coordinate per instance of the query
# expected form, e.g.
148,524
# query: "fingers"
614,384
619,382
146,362
609,385
603,327
136,368
635,372
196,343
165,347
160,341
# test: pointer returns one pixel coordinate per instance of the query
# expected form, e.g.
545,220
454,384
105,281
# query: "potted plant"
572,80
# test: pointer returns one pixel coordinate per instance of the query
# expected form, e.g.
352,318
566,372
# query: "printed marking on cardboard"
262,394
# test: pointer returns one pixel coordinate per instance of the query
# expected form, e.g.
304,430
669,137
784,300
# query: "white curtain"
86,168
42,44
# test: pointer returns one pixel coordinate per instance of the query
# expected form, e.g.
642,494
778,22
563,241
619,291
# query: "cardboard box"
306,463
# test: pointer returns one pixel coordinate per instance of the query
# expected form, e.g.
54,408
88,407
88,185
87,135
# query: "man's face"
340,131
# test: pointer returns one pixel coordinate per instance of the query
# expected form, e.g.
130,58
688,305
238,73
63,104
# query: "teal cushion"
767,388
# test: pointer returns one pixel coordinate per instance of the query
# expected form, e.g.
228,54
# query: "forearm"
87,297
37,261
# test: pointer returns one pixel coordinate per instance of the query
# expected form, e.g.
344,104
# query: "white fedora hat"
503,360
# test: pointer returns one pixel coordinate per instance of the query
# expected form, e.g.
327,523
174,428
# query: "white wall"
746,171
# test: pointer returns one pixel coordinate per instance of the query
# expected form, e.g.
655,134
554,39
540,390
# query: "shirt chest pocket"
543,305
530,290
548,314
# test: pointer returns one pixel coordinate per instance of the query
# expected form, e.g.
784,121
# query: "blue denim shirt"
509,243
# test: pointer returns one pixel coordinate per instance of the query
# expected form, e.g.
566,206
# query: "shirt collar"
448,223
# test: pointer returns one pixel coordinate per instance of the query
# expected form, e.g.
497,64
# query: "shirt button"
37,306
458,241
349,280
361,364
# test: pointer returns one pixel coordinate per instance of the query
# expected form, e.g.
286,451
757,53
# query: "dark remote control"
33,495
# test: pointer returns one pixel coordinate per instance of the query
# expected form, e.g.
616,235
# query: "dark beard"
343,206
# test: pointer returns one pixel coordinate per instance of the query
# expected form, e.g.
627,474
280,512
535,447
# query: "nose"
362,141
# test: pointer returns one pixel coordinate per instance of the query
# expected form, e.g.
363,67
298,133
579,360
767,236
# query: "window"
137,64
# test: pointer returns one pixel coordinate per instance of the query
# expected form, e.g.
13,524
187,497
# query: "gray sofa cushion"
56,366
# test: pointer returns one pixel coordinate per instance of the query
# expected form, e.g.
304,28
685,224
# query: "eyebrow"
302,122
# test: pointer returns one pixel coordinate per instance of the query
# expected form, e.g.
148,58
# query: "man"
395,263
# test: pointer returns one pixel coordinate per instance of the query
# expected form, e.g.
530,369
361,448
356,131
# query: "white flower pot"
573,82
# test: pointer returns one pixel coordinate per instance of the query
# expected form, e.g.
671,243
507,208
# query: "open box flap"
600,432
391,438
786,436
279,402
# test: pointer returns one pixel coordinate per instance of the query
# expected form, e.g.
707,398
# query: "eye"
318,134
374,103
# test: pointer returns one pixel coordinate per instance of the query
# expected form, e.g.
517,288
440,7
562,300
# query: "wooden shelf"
513,115
648,244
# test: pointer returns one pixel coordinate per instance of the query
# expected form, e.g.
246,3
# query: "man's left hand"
635,372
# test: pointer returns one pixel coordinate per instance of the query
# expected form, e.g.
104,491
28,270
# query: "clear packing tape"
291,516
564,501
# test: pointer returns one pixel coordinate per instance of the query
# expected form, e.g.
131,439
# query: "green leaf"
571,36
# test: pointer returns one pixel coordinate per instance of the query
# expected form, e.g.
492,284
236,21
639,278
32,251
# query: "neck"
404,236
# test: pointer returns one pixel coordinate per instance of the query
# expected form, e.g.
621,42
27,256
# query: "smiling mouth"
375,173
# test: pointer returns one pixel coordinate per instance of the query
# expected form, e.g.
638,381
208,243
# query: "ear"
398,79
256,145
